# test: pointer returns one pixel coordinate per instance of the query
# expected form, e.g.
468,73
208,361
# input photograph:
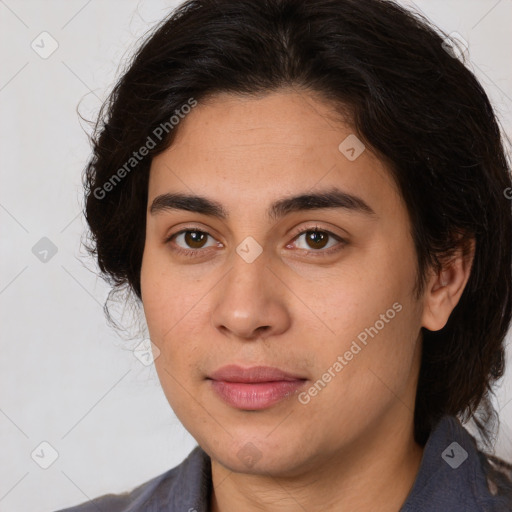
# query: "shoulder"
186,485
456,476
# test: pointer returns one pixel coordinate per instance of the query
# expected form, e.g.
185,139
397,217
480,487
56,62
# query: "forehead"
257,149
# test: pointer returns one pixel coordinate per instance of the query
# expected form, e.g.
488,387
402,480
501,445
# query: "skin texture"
351,447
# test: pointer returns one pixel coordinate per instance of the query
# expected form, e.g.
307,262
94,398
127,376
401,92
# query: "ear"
445,288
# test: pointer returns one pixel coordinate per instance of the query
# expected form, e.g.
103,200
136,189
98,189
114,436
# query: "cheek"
166,298
346,299
367,311
175,314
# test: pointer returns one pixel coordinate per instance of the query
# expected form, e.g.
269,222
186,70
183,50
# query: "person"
308,199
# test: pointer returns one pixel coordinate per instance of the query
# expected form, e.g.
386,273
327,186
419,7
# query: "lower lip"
255,396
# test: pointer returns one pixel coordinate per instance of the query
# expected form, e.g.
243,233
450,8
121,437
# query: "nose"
250,301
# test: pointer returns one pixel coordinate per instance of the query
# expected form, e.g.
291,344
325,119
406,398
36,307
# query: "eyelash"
195,253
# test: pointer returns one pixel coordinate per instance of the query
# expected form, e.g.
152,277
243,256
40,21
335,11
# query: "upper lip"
235,373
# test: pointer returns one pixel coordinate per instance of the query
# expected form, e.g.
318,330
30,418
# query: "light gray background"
67,378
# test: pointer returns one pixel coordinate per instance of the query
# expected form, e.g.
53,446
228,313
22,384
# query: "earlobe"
445,289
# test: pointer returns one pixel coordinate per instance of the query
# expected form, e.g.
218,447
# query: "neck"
376,472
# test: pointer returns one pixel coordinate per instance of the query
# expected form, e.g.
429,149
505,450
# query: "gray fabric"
446,482
439,487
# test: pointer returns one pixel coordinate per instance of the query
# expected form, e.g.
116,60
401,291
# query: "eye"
317,240
188,241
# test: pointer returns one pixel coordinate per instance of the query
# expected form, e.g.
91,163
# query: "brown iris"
318,238
195,237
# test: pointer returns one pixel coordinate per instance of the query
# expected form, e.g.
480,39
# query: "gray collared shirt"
450,478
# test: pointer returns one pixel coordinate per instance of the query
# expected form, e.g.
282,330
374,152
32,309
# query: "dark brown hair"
416,106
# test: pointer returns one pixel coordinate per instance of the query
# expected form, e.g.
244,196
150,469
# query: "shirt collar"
450,476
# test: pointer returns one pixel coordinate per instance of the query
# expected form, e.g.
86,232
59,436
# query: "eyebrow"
332,198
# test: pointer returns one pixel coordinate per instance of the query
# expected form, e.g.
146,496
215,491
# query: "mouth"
254,388
253,374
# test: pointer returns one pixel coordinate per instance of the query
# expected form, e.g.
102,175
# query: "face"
319,289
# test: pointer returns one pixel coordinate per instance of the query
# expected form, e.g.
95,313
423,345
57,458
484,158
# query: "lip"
254,374
255,388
